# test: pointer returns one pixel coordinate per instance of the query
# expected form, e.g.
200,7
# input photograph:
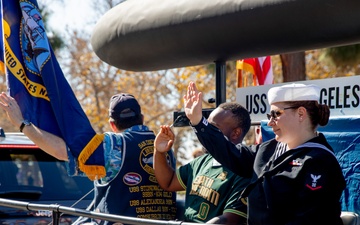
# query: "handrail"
57,209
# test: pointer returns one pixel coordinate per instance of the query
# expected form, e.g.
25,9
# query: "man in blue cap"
129,187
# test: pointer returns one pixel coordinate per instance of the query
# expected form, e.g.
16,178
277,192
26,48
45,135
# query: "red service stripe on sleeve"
313,188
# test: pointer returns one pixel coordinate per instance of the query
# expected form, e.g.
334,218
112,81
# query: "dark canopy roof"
147,35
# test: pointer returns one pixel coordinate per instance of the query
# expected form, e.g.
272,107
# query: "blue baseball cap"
123,106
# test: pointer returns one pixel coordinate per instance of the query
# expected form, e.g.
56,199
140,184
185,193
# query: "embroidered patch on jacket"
132,179
147,156
314,183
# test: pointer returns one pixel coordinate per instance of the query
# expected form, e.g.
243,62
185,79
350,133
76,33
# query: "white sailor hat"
294,92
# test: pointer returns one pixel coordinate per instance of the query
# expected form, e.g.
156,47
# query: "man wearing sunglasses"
296,177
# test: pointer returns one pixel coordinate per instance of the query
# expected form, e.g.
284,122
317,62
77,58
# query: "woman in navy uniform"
296,177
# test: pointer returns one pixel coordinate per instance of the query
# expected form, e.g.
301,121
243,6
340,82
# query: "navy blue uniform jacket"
302,186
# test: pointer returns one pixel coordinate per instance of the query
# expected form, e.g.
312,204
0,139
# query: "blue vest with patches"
134,191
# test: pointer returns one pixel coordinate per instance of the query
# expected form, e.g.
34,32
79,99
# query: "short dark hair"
122,124
241,115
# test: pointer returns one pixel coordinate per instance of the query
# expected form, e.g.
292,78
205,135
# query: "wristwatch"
23,124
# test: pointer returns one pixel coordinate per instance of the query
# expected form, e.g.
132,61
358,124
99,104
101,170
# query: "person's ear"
236,133
113,126
302,113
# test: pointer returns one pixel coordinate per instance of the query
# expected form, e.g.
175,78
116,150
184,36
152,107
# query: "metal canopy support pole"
55,217
220,82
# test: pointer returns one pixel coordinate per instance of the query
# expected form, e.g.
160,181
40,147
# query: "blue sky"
75,14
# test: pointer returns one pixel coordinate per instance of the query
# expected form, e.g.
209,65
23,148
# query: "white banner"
341,94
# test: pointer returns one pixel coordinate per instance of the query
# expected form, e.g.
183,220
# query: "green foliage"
344,55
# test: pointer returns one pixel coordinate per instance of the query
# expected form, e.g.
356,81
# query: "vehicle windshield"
30,174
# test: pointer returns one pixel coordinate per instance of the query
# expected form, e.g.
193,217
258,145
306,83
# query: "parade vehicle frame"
199,32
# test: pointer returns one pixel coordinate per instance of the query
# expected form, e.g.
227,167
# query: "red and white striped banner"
261,68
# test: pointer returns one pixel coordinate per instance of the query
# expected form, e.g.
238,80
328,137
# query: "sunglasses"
275,114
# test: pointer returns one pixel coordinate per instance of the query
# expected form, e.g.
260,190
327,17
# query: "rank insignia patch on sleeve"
314,182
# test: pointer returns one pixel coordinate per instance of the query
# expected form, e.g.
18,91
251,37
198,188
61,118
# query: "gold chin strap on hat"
93,172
